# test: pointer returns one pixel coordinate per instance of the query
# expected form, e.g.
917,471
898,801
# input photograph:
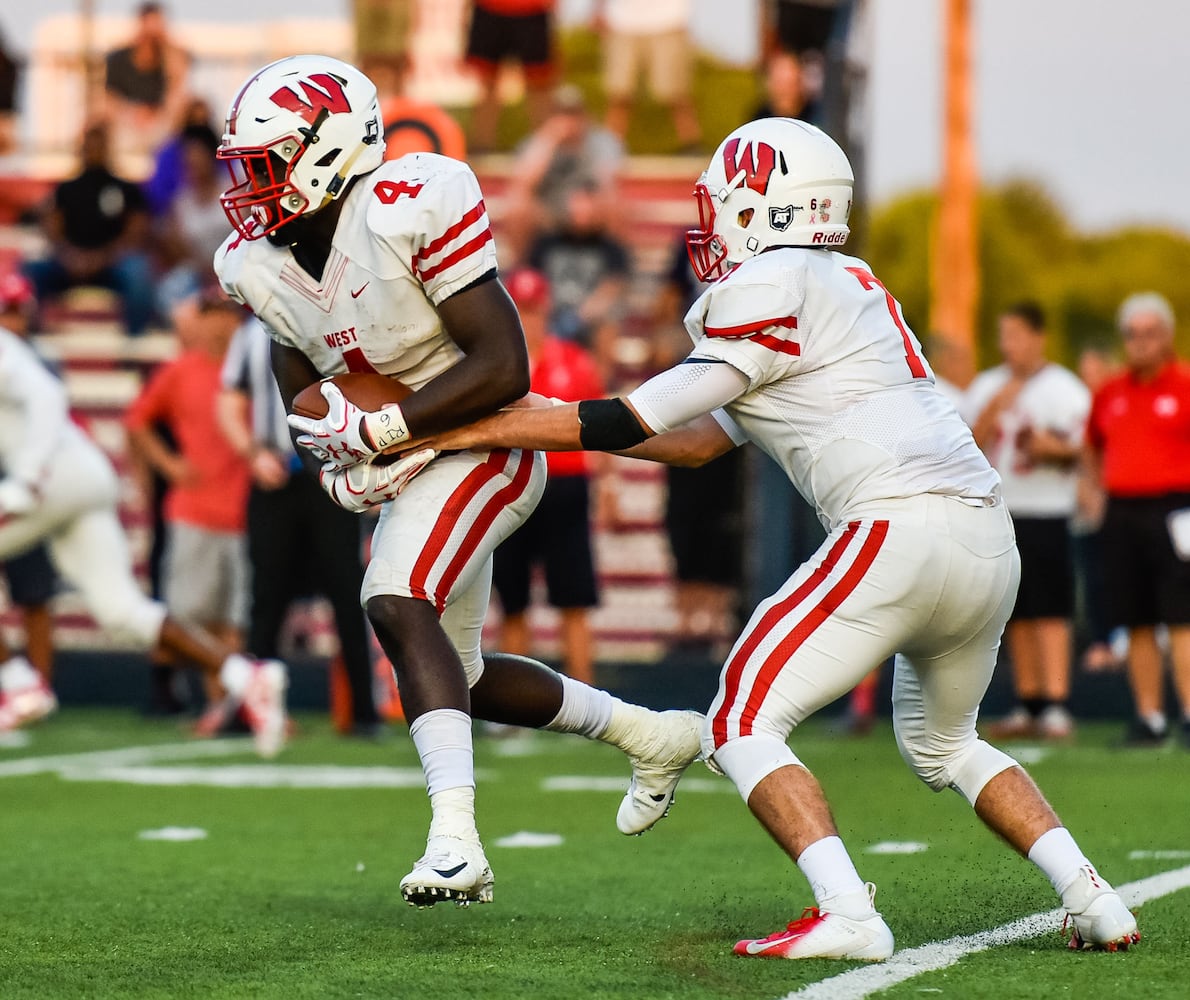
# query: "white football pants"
76,517
928,578
435,541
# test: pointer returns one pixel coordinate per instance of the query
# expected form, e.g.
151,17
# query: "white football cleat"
24,695
263,702
451,869
1098,917
819,934
667,743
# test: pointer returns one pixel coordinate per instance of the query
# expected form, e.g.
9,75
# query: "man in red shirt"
205,572
557,535
1138,448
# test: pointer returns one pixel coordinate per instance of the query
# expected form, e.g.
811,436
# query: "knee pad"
965,769
748,760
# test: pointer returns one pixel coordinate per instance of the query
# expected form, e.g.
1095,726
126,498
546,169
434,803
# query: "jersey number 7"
870,281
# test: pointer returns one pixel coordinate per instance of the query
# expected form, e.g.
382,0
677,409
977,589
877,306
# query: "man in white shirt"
1027,415
811,359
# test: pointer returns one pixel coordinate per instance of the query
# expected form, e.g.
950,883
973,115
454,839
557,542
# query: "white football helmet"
296,132
775,182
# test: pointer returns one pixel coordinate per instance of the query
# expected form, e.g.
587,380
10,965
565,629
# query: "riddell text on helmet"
829,238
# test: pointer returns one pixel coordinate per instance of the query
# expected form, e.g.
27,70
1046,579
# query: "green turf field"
293,891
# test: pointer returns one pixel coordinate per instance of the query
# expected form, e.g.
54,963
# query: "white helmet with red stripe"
297,131
774,182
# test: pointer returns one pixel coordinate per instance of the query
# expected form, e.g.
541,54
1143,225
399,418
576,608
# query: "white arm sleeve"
679,394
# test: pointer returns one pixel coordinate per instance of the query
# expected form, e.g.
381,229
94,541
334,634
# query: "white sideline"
859,983
124,756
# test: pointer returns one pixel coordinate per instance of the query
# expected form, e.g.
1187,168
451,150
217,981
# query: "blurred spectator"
205,569
1028,416
704,504
195,224
168,164
787,91
568,151
415,126
97,228
293,526
145,83
588,272
30,576
652,36
9,75
519,31
383,29
1138,448
557,535
1096,365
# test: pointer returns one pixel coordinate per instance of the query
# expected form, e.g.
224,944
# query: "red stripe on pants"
735,666
502,498
802,631
458,501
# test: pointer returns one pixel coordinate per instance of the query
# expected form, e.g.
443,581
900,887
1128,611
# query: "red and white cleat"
24,695
1097,916
819,934
263,705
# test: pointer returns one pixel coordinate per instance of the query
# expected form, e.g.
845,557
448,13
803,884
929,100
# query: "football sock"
235,674
453,814
17,672
832,876
585,710
1058,857
443,741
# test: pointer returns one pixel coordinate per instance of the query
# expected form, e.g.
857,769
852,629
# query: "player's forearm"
690,445
471,390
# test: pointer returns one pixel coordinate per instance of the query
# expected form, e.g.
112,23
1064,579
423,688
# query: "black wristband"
608,425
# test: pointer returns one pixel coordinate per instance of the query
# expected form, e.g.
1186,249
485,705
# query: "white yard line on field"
859,983
126,756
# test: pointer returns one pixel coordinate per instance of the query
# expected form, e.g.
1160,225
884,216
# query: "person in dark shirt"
97,226
588,271
145,81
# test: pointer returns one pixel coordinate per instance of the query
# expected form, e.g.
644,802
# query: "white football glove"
338,437
16,497
364,486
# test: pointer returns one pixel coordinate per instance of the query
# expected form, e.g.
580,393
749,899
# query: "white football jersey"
840,394
1054,399
35,425
411,234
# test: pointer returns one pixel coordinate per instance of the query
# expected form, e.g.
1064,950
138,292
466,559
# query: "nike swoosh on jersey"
360,291
452,872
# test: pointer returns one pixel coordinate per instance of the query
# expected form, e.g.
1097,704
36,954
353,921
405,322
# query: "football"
370,391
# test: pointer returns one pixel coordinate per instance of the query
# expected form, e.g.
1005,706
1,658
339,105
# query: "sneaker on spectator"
1141,733
1016,725
1055,723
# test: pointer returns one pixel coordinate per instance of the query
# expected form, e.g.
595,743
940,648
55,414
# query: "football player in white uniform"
356,264
58,487
812,361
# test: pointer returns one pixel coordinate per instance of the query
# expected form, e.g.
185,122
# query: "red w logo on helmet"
757,163
329,98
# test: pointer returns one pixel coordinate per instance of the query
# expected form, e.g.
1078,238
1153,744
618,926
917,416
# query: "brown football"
370,391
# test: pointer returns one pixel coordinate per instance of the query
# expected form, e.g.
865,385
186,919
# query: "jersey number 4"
870,281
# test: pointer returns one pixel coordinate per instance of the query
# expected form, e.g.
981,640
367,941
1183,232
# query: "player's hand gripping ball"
329,415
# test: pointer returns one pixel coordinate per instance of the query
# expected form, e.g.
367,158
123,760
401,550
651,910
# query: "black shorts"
525,39
703,520
1047,569
557,536
1146,584
31,578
